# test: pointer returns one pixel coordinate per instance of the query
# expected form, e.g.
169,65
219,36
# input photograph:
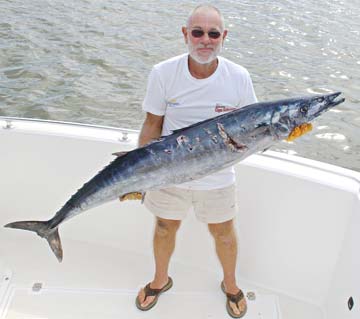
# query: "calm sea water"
87,61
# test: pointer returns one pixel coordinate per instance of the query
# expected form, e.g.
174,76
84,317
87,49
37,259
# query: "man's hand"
132,196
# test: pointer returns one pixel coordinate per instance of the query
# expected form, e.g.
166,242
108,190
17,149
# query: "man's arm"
151,128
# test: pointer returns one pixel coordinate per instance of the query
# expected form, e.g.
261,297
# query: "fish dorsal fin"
119,154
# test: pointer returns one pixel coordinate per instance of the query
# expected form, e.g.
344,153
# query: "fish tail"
43,230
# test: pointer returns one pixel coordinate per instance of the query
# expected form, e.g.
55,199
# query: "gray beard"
200,60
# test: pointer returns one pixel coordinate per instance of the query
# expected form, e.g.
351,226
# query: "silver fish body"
187,154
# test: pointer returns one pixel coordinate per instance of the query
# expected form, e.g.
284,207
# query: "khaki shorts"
210,206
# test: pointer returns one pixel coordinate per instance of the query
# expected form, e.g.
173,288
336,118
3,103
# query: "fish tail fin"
43,230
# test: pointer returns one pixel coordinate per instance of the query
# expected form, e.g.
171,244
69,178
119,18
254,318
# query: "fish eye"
304,109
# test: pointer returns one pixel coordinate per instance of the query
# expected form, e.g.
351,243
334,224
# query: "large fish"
188,154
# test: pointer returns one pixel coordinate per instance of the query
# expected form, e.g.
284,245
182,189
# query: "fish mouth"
331,99
322,103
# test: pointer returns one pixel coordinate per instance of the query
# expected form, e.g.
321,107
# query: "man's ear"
224,35
185,34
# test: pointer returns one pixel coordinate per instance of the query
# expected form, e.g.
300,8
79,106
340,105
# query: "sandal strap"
235,298
151,291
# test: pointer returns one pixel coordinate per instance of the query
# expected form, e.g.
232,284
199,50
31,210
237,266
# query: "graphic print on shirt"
220,108
172,103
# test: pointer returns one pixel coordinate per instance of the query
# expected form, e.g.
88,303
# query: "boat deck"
97,281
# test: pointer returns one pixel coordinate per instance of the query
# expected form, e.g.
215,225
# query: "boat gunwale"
10,119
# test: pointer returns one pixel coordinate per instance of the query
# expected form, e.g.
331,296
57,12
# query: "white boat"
298,229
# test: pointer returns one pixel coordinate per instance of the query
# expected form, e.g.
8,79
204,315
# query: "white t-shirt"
183,100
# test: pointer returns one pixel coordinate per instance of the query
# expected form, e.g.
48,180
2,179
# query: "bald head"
206,10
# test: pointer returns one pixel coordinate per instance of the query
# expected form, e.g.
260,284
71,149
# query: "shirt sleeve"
154,101
248,95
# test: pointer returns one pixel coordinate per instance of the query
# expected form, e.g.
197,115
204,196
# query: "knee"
166,227
223,233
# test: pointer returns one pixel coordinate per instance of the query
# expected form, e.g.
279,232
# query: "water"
88,61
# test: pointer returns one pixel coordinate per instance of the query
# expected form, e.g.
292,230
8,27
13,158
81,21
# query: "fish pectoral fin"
299,131
132,196
119,154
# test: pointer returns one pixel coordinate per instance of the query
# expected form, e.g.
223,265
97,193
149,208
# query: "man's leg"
226,248
164,245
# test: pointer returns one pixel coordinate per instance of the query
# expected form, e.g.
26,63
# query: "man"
182,91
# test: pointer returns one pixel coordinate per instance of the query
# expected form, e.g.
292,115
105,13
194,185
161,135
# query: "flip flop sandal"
153,293
235,299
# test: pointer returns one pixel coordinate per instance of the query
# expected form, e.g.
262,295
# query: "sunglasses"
197,33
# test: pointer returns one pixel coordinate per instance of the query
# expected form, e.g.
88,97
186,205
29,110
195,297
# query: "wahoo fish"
187,154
